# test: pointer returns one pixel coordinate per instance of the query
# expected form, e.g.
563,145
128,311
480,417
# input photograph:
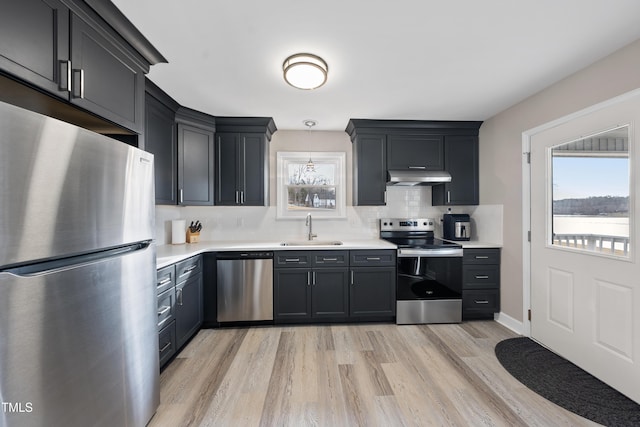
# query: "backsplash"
221,223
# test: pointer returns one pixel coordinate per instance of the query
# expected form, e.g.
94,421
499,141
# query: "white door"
585,273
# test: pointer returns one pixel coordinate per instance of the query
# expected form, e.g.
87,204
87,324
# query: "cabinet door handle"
417,167
482,277
78,84
166,346
237,197
163,310
385,197
181,196
308,278
482,301
179,296
448,196
242,197
314,278
482,257
352,278
65,76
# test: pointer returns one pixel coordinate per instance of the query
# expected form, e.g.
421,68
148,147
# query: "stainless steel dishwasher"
245,286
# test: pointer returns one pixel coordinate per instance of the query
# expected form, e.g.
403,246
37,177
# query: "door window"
590,197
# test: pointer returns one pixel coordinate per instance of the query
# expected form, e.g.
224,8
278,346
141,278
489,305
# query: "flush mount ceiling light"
305,71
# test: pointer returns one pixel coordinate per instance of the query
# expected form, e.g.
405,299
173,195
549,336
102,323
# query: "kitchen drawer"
480,276
187,268
166,307
373,258
165,278
481,256
167,342
330,258
480,303
293,259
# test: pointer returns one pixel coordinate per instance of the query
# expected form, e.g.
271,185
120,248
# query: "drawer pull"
164,281
482,257
190,269
164,310
330,259
292,260
373,258
166,346
482,277
482,301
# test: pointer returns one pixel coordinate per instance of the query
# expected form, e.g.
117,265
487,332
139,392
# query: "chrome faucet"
309,223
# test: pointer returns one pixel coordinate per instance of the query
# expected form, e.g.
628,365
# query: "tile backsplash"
223,223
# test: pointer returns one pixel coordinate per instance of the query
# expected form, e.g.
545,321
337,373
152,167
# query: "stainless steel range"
429,282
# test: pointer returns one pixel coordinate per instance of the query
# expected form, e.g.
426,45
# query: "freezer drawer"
80,343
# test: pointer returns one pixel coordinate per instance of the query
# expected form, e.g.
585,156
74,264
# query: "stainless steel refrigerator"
78,320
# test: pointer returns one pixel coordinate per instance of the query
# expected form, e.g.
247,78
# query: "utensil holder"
193,237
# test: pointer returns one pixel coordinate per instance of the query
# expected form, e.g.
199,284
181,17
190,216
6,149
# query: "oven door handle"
432,253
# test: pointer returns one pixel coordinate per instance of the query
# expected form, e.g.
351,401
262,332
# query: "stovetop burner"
415,236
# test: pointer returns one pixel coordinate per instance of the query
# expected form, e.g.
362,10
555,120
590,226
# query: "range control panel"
407,224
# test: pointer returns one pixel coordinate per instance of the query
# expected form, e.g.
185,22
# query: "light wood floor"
350,375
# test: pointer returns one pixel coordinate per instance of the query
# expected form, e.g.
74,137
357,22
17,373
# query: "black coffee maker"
456,227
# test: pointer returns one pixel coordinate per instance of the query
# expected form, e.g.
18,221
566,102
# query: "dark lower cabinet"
303,293
329,293
180,305
189,311
320,285
167,343
480,283
372,292
292,294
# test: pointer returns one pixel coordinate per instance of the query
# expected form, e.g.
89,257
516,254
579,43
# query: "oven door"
429,277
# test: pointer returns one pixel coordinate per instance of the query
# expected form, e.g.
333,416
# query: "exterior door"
585,292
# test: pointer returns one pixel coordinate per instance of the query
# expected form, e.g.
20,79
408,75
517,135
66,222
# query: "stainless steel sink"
312,243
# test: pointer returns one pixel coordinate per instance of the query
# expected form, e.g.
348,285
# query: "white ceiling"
406,59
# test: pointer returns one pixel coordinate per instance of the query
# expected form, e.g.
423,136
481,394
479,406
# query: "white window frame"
285,158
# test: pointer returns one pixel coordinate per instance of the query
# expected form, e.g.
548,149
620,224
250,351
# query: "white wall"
501,149
260,223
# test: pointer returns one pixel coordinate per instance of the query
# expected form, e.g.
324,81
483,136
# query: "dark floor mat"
565,384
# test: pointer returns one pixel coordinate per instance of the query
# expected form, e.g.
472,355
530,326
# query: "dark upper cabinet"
369,170
383,145
104,79
34,43
242,160
461,161
195,160
419,152
83,52
160,139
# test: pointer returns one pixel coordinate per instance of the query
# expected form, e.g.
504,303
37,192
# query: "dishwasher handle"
244,255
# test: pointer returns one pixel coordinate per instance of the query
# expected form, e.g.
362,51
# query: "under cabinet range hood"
413,177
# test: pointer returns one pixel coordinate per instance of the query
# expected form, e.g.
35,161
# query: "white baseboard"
509,322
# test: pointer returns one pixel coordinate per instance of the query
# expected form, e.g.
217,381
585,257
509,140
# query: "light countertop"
476,244
170,254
